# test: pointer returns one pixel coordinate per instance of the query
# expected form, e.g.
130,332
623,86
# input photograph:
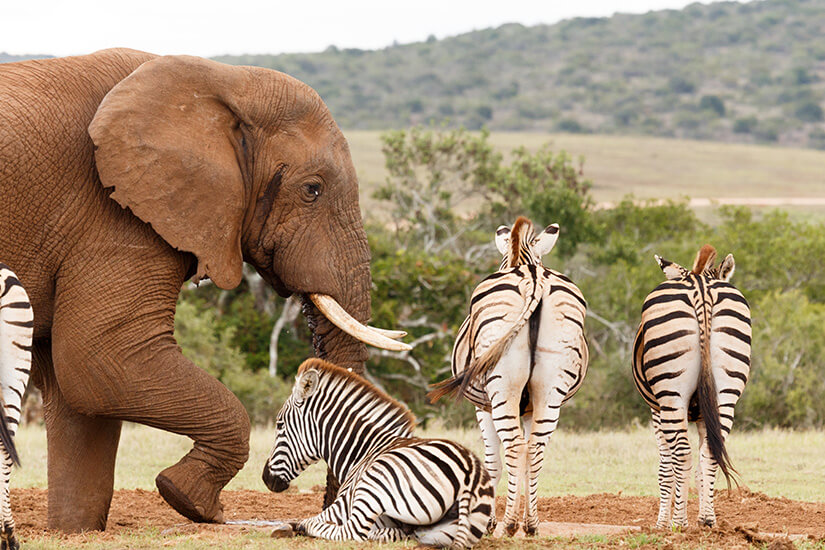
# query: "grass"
647,167
776,462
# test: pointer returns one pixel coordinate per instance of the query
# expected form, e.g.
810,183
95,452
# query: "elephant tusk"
394,334
379,338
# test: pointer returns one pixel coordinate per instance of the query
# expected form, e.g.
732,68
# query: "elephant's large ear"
167,140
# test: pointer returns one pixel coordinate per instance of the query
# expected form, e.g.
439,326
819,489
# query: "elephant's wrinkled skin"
124,174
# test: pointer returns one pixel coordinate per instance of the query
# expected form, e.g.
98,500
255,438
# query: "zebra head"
702,265
295,446
520,245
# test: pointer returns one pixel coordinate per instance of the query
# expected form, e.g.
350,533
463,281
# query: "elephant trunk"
330,342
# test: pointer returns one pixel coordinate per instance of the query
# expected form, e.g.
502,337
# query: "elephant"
125,174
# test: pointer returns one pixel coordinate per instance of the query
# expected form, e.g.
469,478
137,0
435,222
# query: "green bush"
207,345
712,103
809,112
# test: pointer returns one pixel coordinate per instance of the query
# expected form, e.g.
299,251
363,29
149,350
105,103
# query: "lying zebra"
16,326
394,485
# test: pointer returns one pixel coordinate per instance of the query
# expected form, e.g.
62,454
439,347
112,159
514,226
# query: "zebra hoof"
511,528
491,525
531,530
9,542
707,522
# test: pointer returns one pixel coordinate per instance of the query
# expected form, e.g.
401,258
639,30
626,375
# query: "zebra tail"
457,384
709,407
7,440
449,386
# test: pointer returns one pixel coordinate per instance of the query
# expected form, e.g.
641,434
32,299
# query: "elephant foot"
187,488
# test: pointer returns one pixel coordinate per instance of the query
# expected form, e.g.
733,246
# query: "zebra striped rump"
691,361
16,328
394,485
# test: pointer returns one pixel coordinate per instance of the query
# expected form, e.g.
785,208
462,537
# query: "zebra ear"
502,238
727,267
546,240
671,270
305,385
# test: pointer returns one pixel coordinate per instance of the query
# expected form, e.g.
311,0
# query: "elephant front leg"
81,457
153,385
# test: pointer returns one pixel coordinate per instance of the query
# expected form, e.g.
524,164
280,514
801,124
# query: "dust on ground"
745,518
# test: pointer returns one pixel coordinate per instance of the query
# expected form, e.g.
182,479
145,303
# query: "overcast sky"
212,27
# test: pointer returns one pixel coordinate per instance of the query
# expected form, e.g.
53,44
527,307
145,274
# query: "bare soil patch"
745,518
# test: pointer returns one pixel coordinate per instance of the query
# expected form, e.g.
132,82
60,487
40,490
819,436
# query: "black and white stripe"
16,327
519,355
394,485
691,360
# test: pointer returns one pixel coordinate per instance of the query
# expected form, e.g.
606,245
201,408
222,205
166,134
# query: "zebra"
691,360
521,352
394,485
16,327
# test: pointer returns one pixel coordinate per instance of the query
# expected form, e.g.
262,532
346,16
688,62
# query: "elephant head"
235,164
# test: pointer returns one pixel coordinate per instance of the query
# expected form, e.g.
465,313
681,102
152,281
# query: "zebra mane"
704,260
521,238
336,372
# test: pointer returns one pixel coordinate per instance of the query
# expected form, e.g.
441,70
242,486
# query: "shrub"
809,112
712,103
745,125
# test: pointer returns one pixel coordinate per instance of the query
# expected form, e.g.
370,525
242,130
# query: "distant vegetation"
726,71
9,58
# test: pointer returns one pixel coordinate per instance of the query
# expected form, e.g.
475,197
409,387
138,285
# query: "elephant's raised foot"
185,487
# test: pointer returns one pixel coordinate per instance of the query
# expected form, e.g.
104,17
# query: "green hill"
727,71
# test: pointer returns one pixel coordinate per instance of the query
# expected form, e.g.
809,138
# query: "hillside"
751,72
9,58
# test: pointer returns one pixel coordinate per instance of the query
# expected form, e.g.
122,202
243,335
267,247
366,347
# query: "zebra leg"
492,454
666,479
707,474
547,391
504,388
7,539
673,427
357,525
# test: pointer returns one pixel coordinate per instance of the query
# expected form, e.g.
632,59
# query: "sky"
211,27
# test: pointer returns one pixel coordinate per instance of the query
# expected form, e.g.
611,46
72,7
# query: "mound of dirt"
745,517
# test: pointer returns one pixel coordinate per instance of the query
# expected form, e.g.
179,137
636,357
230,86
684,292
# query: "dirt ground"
745,517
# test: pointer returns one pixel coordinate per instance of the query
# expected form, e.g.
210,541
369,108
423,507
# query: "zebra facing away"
691,360
16,326
521,353
393,485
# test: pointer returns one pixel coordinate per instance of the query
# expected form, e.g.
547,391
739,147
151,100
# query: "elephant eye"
311,191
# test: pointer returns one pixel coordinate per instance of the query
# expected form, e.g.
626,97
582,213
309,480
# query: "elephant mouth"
338,316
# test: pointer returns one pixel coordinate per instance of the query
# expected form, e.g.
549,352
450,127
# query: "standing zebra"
16,326
393,485
521,352
691,360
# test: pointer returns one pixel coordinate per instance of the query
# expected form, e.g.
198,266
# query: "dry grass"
647,167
